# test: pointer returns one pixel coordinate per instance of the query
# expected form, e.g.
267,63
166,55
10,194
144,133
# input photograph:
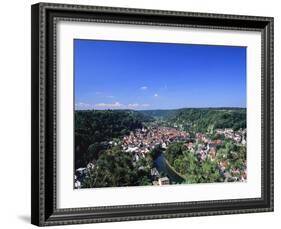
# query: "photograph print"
158,114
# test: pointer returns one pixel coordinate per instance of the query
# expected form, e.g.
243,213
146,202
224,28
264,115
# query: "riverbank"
163,166
172,169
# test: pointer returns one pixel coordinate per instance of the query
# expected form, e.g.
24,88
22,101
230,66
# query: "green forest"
93,130
202,119
100,134
195,170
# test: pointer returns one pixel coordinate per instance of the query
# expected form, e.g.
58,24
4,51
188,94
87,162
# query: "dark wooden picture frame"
44,211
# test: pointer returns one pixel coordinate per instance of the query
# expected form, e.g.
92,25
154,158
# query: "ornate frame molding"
45,17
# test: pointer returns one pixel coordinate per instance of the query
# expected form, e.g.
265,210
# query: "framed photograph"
146,114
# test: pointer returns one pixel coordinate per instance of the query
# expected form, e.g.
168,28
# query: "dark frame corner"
43,100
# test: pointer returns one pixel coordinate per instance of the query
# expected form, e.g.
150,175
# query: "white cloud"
144,88
115,105
133,105
118,105
109,105
155,95
137,106
83,106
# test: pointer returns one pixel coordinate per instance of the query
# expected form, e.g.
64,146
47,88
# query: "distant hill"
203,119
163,114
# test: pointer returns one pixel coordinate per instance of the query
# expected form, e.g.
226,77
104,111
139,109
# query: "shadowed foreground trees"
114,168
94,128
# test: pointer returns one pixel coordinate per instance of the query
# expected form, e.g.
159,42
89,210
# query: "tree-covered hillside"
122,147
159,114
206,119
93,129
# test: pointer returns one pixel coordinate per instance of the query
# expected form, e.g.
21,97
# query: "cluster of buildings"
140,142
81,173
205,147
234,174
237,136
143,140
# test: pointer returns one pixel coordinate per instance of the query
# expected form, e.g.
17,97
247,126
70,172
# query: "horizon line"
126,109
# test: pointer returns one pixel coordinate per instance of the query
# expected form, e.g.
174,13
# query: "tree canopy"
94,128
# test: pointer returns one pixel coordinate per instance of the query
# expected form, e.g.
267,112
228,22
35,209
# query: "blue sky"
144,76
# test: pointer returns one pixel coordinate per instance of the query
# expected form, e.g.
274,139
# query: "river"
161,165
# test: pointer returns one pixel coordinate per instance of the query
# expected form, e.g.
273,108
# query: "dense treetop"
207,119
94,128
